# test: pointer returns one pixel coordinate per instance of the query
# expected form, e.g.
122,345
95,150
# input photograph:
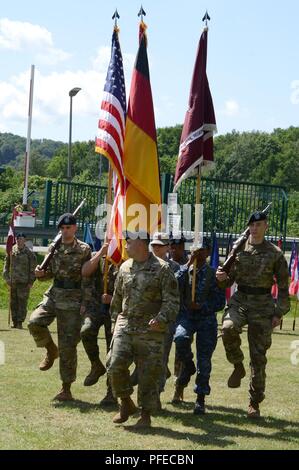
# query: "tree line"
258,157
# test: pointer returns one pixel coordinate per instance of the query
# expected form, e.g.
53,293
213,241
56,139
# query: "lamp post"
73,92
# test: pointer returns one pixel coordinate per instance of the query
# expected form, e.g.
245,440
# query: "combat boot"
14,324
253,410
144,421
19,325
126,409
238,373
52,354
65,393
97,370
178,396
109,399
199,408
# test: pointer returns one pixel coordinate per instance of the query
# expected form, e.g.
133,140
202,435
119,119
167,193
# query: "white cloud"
231,109
20,36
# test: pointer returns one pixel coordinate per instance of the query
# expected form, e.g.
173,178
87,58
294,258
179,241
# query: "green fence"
226,204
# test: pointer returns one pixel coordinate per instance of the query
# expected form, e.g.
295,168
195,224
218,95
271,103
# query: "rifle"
238,244
57,243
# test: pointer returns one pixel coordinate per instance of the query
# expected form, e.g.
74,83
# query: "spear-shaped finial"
115,18
206,18
141,13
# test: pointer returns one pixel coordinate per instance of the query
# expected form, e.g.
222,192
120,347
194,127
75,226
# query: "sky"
253,61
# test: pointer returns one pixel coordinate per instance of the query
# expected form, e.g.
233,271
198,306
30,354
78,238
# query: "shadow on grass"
83,406
222,427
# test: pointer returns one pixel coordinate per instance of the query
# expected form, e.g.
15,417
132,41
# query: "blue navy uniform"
203,322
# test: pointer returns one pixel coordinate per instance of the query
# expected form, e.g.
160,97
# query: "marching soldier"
19,275
253,271
63,301
96,314
145,301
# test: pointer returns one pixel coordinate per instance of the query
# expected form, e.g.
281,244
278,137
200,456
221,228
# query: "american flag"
110,140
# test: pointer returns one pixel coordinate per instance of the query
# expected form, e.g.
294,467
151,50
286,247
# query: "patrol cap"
141,235
66,219
177,240
256,217
21,235
160,238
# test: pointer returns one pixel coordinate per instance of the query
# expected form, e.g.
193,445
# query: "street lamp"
73,92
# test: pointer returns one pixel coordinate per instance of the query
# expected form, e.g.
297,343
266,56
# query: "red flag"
274,290
294,285
196,146
11,238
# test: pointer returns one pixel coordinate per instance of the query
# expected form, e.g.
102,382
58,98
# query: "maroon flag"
11,238
196,146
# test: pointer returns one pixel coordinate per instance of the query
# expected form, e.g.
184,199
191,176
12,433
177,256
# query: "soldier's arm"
86,282
90,266
281,272
6,269
32,266
116,302
170,297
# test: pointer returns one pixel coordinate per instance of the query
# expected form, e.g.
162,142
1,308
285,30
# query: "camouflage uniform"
63,301
143,291
253,305
203,322
97,314
23,263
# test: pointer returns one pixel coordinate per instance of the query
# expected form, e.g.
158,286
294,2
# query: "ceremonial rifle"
238,244
57,242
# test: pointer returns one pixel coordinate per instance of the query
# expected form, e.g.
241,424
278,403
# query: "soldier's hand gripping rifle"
238,244
57,242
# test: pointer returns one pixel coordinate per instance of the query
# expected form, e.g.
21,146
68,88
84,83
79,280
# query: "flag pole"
10,279
196,230
295,315
108,202
27,154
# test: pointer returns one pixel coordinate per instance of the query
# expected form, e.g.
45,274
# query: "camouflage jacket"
66,264
95,285
256,266
23,263
145,291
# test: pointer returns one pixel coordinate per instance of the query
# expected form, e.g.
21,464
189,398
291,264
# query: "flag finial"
141,13
206,18
115,17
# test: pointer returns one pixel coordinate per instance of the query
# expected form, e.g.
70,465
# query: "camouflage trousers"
256,312
18,303
205,328
91,324
68,331
146,350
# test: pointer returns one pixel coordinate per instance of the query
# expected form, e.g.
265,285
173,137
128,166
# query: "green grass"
31,420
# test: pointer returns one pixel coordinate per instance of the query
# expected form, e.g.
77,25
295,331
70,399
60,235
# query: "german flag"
141,167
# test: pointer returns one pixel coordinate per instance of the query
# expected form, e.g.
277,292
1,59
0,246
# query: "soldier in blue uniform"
200,318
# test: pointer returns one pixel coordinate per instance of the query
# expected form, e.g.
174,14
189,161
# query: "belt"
254,290
67,284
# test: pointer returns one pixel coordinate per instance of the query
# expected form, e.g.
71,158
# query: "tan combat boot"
52,354
178,396
65,393
238,373
253,410
144,421
126,409
97,370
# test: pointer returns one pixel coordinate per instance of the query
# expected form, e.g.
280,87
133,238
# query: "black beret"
256,217
21,235
66,219
176,241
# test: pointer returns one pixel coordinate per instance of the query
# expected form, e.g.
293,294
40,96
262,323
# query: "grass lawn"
31,420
